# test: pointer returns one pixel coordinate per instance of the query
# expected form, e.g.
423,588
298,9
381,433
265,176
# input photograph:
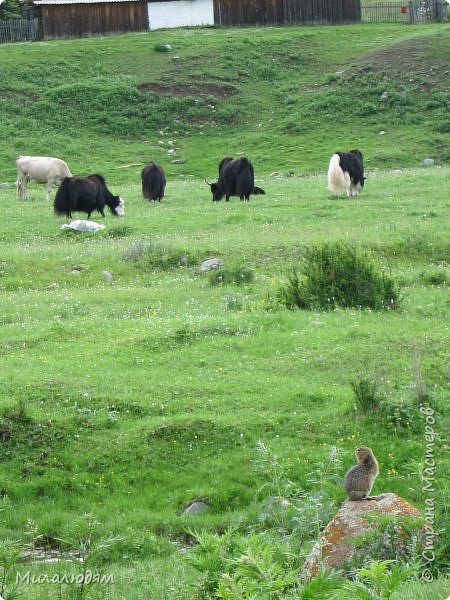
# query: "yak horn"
207,182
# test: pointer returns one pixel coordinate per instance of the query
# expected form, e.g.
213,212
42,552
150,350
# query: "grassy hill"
218,92
132,384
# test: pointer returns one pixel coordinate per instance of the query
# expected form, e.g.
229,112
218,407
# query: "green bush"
9,9
119,231
236,275
366,394
337,275
435,277
153,256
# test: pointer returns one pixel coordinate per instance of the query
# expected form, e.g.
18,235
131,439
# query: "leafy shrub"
337,275
9,9
236,275
400,415
380,579
435,277
150,256
366,395
119,231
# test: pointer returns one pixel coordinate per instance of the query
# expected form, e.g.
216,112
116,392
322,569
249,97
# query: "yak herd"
236,178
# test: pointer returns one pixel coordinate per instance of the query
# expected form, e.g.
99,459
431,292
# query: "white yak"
42,169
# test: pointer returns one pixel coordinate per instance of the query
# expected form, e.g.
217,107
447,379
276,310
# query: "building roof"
60,2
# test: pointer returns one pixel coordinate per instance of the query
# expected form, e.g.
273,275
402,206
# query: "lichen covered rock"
336,547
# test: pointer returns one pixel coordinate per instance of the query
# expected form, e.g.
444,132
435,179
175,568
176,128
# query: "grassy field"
132,384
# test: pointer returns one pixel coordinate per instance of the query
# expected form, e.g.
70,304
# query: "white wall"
180,13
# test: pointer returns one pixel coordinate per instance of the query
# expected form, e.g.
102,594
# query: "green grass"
129,398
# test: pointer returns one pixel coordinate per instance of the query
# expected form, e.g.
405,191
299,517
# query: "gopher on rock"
358,480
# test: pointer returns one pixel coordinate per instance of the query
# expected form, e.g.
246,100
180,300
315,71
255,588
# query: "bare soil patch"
424,58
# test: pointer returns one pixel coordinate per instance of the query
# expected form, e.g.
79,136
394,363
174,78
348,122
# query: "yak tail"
338,180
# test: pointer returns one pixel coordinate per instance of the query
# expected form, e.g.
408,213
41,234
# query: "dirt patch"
421,57
404,56
194,89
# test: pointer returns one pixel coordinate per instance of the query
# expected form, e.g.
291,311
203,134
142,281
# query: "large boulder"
335,549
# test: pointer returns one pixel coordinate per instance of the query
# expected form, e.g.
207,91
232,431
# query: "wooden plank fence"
262,12
20,30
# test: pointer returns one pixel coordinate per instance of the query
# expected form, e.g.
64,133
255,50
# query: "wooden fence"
20,30
398,11
231,13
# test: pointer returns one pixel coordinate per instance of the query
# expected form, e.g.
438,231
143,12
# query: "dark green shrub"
151,256
435,277
9,9
402,415
337,275
236,275
366,394
119,231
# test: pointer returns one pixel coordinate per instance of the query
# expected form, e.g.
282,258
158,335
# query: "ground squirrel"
358,480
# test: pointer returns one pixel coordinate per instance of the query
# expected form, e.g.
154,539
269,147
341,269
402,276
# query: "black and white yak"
42,169
153,182
236,178
86,194
346,173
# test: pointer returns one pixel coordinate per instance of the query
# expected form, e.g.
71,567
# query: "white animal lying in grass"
83,225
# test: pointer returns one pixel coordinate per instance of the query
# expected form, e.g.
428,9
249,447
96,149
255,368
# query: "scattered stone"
335,548
76,269
42,555
178,161
196,508
384,96
5,184
211,263
107,275
382,132
428,162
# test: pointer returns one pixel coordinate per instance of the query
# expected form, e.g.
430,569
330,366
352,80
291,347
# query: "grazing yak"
86,194
153,182
236,178
346,173
42,169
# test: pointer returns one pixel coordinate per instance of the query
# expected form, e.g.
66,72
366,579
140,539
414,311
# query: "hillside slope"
270,93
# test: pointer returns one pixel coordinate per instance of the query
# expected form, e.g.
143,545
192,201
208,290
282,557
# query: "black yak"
346,173
86,194
153,182
236,178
